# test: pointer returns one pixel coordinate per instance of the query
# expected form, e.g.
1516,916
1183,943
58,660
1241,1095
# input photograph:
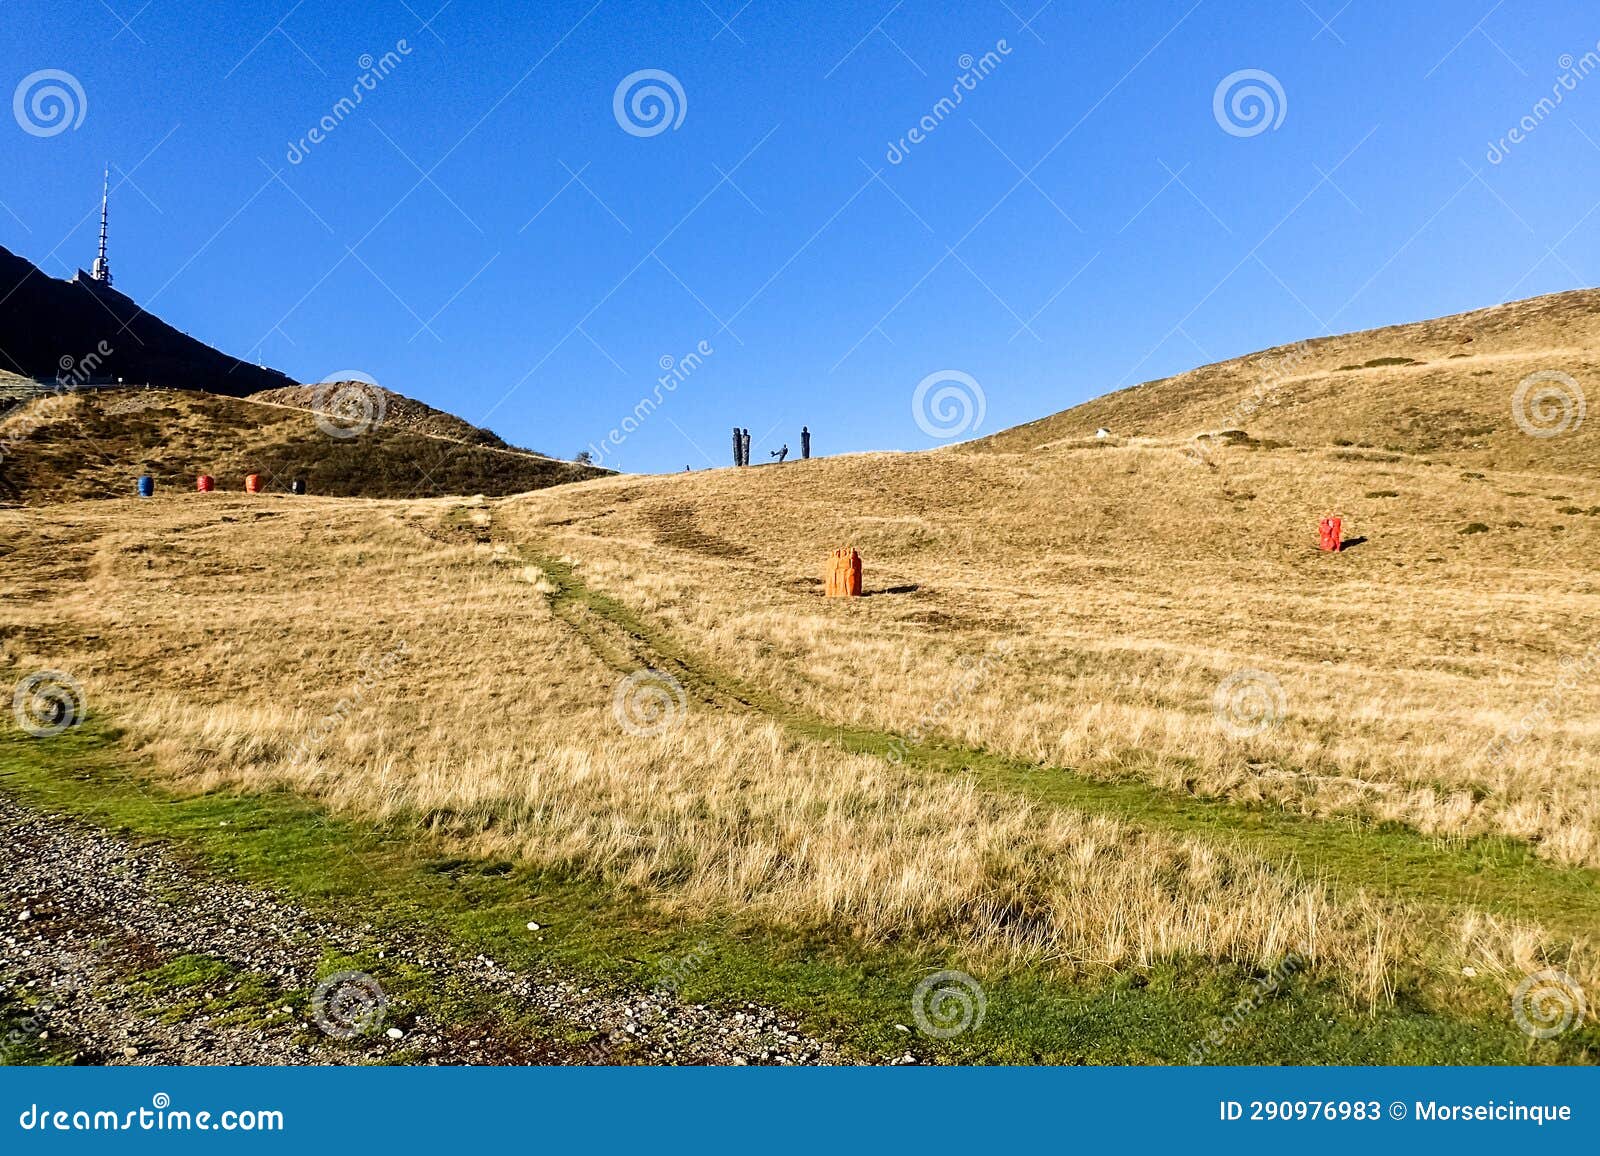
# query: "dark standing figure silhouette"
805,441
746,443
738,447
779,454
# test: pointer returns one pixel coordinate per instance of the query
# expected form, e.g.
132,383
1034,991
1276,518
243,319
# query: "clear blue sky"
481,233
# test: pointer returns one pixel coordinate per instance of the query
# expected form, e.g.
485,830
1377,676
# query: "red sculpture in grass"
1330,533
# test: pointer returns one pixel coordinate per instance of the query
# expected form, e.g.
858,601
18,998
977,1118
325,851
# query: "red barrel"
205,483
252,483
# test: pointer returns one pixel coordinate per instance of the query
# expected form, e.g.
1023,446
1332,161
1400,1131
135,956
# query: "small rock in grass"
395,1034
532,926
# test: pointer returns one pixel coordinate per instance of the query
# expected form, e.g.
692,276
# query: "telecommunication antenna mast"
102,267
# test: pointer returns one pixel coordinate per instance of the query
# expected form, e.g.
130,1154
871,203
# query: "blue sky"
483,233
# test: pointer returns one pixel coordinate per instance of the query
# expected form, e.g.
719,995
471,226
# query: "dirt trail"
116,954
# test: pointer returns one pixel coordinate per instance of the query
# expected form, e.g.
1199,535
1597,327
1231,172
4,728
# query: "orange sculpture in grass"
844,574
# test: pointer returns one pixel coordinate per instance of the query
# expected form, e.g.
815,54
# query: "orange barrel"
252,483
205,483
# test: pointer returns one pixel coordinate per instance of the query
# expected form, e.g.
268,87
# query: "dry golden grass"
92,444
1441,673
358,654
1451,396
1130,583
259,642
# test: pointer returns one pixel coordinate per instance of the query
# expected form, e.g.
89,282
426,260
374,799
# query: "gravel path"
83,913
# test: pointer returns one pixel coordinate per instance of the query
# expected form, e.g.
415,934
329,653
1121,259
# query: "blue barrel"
147,486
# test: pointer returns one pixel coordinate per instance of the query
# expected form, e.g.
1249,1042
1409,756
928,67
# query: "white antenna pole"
102,266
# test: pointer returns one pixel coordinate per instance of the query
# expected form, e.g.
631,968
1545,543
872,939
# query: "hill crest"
1447,386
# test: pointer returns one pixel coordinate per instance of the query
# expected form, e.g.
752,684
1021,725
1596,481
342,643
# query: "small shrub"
1474,528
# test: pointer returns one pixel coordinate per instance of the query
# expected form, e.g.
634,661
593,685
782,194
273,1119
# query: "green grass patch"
406,882
198,984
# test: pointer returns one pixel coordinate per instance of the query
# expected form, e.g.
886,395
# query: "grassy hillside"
445,675
399,412
1108,732
93,444
1443,388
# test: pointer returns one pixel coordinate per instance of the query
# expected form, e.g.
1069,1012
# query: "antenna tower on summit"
102,267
